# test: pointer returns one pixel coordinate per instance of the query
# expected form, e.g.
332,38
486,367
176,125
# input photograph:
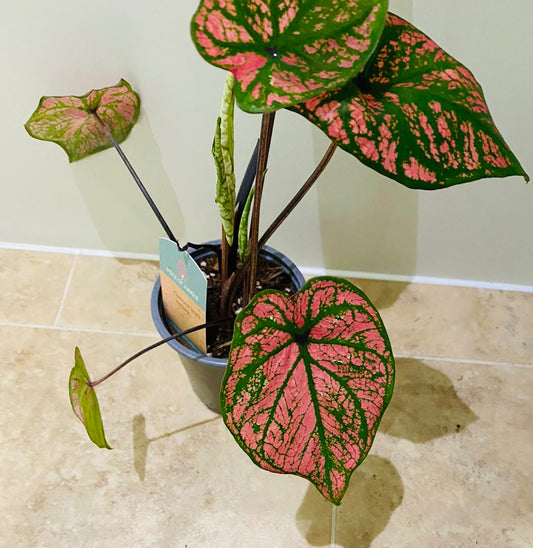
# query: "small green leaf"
243,228
85,403
75,123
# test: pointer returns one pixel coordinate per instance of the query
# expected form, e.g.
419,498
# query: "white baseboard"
308,271
80,251
430,280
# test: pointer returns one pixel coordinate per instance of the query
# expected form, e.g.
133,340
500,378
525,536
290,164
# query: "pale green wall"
484,230
354,220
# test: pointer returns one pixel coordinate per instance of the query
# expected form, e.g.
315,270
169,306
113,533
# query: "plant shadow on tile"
425,404
383,294
141,441
375,491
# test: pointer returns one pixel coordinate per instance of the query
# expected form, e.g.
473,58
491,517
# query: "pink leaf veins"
70,121
308,380
284,52
414,114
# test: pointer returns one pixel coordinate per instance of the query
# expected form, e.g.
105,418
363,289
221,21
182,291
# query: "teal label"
183,271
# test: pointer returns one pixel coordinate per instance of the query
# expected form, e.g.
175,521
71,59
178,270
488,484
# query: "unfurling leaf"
75,123
282,53
414,114
227,137
85,403
222,150
223,196
243,228
308,380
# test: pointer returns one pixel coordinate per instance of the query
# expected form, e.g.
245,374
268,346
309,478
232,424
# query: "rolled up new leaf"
70,121
223,154
282,53
414,114
308,380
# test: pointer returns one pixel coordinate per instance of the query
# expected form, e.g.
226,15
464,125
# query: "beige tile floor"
452,465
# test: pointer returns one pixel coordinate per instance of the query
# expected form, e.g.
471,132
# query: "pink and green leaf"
85,403
414,114
308,380
282,53
75,123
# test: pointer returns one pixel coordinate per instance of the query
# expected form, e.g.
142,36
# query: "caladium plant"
84,125
414,114
79,124
309,376
281,54
309,380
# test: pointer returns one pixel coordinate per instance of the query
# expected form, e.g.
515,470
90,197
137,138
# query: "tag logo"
181,271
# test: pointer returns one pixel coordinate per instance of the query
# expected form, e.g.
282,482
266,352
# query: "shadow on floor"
375,491
141,441
382,294
424,405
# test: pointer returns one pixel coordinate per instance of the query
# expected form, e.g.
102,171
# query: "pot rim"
156,306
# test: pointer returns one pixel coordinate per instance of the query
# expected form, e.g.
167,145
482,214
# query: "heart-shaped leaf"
308,380
414,114
284,52
85,403
75,123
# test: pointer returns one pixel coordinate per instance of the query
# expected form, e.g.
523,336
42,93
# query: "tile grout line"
80,329
333,537
142,334
66,290
464,360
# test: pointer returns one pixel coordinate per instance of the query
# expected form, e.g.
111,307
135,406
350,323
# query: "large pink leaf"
414,114
308,380
284,52
71,122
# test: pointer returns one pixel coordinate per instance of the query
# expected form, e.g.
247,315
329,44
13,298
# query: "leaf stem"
137,179
264,148
179,335
299,195
237,278
224,254
242,197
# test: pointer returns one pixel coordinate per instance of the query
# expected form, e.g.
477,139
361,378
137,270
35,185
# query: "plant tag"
184,291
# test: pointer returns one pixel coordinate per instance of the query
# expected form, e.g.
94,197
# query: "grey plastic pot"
206,373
